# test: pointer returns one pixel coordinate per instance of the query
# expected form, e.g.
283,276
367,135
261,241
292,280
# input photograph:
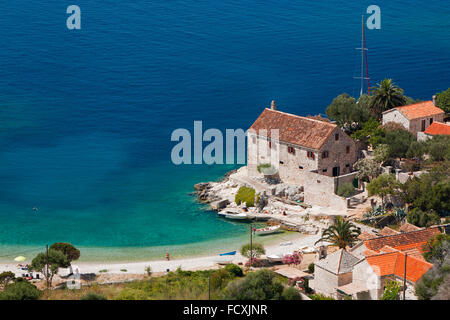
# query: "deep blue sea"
86,115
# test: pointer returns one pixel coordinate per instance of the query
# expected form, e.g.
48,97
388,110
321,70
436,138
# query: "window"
270,144
347,165
291,150
431,120
324,154
300,167
347,149
324,170
336,136
281,162
310,154
423,125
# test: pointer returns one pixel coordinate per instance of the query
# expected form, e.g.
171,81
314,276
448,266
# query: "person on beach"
167,256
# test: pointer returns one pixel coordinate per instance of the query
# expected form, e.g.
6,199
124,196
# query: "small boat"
275,258
286,243
223,213
267,230
236,216
307,249
223,260
232,253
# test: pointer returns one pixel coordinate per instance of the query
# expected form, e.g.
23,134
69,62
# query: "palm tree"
386,96
341,233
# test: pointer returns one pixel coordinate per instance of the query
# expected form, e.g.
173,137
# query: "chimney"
434,100
273,106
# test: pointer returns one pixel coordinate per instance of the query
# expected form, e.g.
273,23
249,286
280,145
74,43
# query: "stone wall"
337,154
415,125
325,282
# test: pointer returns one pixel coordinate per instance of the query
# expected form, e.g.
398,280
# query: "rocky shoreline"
282,202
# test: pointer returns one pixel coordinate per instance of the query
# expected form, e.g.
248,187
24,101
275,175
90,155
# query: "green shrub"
234,269
392,290
123,270
311,268
148,270
103,270
220,278
258,285
420,218
20,290
245,195
291,293
318,296
93,296
266,168
346,190
257,250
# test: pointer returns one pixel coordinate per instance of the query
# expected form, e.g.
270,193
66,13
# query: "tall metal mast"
363,52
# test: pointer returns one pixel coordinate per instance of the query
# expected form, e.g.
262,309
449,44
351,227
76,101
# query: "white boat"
267,230
223,213
275,258
286,243
223,260
236,216
307,249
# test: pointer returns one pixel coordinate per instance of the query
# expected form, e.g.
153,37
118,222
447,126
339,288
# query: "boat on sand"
267,230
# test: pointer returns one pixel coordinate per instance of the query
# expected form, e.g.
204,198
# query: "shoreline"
188,263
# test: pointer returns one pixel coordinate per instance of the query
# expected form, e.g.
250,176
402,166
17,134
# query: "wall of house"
364,276
415,125
325,282
320,190
395,116
337,154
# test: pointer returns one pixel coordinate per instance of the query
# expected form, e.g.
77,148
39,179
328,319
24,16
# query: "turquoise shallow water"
86,116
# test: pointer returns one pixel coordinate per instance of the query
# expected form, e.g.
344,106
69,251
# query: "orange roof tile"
366,236
386,231
393,263
398,240
438,128
408,227
294,129
419,110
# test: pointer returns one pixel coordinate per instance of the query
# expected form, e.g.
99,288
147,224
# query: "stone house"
366,267
334,271
302,145
416,117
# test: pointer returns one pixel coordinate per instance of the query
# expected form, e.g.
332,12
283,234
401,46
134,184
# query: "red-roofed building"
295,144
438,128
383,258
415,117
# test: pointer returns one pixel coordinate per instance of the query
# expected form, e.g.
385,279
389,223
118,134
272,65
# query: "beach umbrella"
20,258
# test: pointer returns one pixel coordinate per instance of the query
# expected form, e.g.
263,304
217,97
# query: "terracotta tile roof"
366,236
408,227
394,264
398,240
438,128
294,129
386,231
418,110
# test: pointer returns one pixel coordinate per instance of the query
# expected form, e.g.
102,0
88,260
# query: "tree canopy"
386,96
68,249
341,234
398,141
348,114
383,185
443,100
56,259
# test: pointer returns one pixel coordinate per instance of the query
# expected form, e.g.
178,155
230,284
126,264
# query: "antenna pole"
362,54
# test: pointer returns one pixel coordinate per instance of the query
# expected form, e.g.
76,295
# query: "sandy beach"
157,266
